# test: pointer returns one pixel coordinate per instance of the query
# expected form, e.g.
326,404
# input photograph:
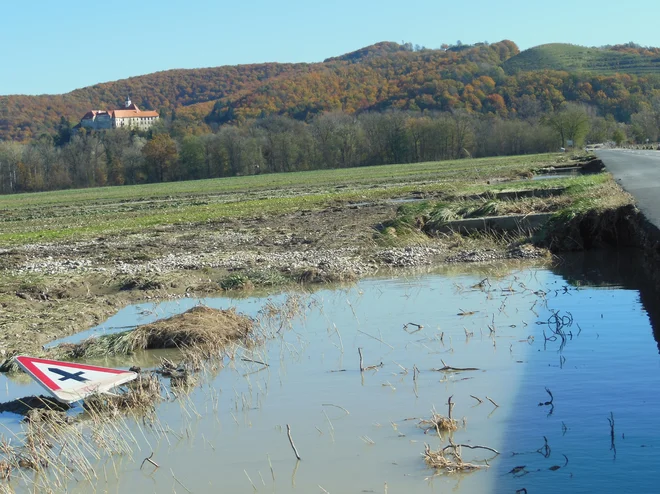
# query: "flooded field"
556,369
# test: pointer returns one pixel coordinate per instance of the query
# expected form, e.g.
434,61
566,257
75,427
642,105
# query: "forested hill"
484,78
24,117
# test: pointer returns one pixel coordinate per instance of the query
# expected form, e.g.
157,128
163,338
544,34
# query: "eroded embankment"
584,211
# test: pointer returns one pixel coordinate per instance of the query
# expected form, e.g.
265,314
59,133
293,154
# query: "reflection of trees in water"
624,268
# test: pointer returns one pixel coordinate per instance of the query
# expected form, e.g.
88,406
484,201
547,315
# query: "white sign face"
69,382
569,142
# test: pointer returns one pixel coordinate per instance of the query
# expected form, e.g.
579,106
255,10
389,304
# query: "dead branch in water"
552,398
612,444
476,446
288,433
244,359
149,459
545,450
478,399
370,367
418,326
493,402
449,368
549,403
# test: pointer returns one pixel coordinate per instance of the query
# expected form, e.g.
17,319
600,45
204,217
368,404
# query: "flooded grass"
345,378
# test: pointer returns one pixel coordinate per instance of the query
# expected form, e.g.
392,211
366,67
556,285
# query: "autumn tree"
161,156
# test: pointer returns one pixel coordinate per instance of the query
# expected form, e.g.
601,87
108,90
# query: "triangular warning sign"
69,382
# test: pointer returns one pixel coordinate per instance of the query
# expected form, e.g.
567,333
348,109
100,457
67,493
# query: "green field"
85,213
573,58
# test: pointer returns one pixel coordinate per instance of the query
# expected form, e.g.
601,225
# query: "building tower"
128,102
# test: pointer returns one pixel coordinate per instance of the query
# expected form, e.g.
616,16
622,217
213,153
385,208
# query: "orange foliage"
375,78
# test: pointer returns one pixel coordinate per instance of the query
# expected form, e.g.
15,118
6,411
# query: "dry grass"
140,397
52,450
449,460
274,317
438,423
200,329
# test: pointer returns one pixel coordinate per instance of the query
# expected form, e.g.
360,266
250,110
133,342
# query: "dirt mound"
200,328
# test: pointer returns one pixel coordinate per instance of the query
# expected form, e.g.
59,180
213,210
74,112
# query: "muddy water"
230,431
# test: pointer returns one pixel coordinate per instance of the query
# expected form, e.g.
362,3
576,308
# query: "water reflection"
623,268
594,437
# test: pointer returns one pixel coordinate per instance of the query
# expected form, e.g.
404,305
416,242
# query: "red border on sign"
29,362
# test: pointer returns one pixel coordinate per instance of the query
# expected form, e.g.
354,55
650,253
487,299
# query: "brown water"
232,429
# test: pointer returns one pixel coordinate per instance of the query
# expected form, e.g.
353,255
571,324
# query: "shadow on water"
597,431
624,268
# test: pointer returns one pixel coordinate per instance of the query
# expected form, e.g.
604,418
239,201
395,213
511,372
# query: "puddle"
550,176
232,429
402,200
406,200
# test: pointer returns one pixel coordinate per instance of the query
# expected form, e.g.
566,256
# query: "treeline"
281,144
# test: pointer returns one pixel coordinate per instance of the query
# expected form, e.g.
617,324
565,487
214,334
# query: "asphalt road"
638,172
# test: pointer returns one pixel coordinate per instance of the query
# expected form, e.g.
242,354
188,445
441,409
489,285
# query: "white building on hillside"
129,117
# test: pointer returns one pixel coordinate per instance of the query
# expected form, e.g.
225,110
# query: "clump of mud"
200,328
313,275
140,283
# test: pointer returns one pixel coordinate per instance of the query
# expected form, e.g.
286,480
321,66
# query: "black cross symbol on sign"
68,375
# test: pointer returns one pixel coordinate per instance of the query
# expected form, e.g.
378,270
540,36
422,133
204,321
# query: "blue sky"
54,47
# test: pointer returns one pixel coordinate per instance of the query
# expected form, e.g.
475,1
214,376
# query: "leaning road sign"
69,382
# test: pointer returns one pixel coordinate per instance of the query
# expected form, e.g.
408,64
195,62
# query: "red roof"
95,113
133,114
